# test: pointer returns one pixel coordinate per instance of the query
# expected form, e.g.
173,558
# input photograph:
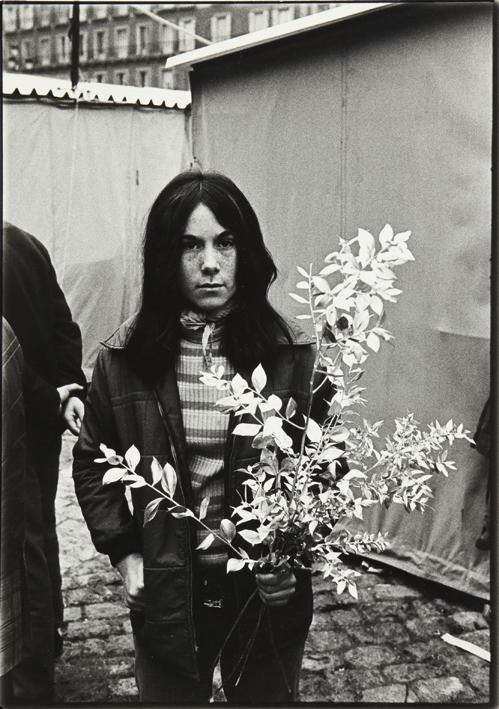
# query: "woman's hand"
277,587
131,569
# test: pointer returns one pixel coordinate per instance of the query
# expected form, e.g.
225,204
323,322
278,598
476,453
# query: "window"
144,77
167,79
120,10
27,50
100,45
168,36
12,52
99,11
186,42
220,27
9,17
121,37
63,48
121,76
26,16
44,13
142,39
100,77
63,14
83,46
45,51
83,12
258,20
282,14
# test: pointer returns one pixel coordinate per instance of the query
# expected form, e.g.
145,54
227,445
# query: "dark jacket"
121,411
35,306
12,501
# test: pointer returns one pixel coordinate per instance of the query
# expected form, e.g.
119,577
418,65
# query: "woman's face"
208,262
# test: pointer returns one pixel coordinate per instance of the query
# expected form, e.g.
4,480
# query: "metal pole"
74,34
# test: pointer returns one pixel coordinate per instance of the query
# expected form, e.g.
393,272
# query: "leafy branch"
294,495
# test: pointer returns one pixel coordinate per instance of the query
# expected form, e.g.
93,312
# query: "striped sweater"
206,434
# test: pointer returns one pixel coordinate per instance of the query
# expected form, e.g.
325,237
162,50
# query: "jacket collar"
119,337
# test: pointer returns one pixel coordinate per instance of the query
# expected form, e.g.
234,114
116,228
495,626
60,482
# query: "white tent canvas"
81,177
379,118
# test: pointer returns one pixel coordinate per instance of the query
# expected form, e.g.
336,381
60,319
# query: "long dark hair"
252,329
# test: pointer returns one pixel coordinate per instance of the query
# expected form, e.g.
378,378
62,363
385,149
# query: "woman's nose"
210,262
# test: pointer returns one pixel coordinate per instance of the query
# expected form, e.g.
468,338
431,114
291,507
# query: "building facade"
121,45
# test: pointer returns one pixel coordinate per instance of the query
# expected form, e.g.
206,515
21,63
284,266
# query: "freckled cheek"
229,267
187,273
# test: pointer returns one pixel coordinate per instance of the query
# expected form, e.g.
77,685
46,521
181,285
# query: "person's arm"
113,529
66,333
73,413
43,401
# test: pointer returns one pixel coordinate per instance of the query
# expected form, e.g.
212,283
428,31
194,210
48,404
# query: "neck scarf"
211,325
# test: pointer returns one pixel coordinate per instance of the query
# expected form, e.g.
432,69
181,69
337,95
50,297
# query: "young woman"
204,302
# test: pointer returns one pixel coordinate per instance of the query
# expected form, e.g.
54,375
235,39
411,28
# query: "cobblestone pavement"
386,647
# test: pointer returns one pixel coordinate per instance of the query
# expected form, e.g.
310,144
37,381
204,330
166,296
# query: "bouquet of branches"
295,495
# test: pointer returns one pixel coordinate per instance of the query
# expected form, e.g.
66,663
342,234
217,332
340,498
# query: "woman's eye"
226,243
189,245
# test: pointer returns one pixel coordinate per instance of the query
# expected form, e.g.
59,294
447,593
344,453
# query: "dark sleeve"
113,529
482,436
66,334
41,400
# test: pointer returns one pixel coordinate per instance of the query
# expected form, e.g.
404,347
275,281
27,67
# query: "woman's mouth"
210,286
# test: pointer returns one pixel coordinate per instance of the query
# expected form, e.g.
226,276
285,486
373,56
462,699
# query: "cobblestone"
383,648
106,610
441,690
406,672
372,656
391,694
393,632
467,621
385,592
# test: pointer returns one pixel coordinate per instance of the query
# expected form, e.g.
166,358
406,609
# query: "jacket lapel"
168,396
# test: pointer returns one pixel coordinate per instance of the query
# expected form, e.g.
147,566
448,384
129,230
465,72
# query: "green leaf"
113,475
302,271
328,270
330,454
298,298
203,508
290,408
352,590
140,482
313,431
275,402
376,304
207,542
169,479
247,429
386,235
259,378
238,384
235,565
227,529
184,512
132,457
321,284
157,471
372,341
250,536
151,510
